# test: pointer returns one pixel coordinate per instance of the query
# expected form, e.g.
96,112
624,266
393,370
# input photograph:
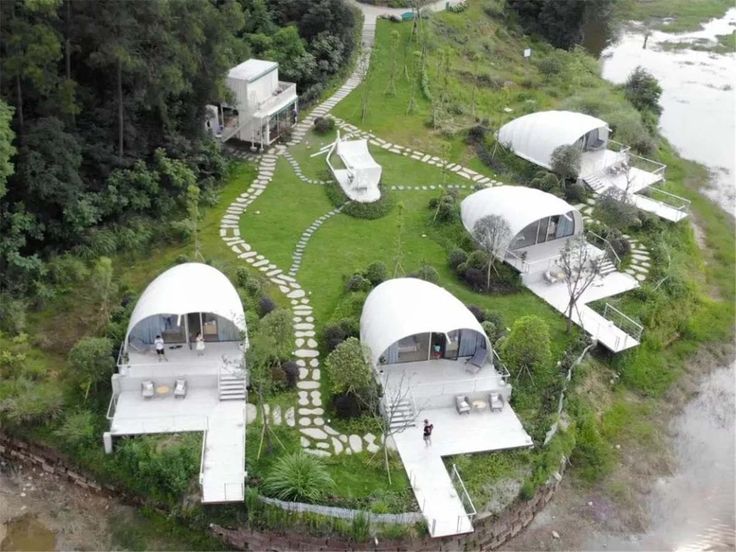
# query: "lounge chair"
147,389
496,401
477,361
462,404
180,388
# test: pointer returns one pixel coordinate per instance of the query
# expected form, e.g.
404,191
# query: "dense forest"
101,114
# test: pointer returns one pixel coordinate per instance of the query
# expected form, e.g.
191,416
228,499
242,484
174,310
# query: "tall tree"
492,233
7,149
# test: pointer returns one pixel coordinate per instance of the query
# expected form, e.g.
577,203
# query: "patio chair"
180,388
462,403
496,401
148,389
478,360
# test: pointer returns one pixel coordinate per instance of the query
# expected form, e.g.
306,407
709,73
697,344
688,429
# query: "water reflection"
698,95
694,509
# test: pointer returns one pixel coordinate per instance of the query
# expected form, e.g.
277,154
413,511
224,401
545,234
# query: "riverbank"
633,508
42,511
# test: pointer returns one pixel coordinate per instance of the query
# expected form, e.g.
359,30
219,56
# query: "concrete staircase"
401,414
607,267
231,386
595,183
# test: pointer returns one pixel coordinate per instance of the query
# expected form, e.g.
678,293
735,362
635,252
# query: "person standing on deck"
428,433
160,348
199,344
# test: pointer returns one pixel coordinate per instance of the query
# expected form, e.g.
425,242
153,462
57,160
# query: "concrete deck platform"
453,434
223,469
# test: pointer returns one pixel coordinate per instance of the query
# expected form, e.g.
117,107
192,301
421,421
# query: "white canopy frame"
361,176
404,307
189,288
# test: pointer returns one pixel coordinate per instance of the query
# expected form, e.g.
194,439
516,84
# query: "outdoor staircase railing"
608,248
672,200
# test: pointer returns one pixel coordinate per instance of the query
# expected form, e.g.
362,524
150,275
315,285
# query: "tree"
90,362
526,349
278,327
580,268
565,161
7,150
643,91
492,233
298,476
348,370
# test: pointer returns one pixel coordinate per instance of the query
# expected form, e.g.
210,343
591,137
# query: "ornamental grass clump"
296,477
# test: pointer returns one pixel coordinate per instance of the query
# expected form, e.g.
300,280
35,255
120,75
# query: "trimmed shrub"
323,125
575,192
357,283
348,371
334,334
457,257
242,276
347,406
428,273
265,305
376,273
526,350
291,370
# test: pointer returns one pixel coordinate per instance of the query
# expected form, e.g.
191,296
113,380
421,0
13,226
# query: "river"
699,92
694,508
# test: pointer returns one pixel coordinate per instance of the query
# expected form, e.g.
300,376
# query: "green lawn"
681,15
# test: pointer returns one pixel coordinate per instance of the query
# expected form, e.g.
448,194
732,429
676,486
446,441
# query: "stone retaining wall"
490,532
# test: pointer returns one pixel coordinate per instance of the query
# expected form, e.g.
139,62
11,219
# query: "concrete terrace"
453,434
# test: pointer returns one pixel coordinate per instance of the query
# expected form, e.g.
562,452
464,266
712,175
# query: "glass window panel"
525,238
542,232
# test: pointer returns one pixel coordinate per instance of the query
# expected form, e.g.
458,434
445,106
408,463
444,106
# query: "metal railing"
112,406
674,201
625,323
608,248
201,456
504,372
464,495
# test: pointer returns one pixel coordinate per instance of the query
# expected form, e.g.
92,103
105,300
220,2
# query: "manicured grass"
276,220
682,15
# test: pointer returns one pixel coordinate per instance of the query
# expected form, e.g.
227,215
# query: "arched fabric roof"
403,307
518,205
189,287
535,136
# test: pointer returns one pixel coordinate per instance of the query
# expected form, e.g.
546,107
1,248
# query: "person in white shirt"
160,348
199,344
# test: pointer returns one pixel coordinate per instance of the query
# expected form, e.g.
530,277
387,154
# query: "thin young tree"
391,86
492,233
399,256
580,268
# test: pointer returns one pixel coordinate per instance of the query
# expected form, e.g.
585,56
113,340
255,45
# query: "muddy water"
698,98
26,533
694,509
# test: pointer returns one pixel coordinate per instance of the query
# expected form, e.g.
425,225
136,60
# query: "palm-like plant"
298,476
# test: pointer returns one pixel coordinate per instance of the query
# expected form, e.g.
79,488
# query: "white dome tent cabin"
540,223
198,383
540,226
435,362
604,164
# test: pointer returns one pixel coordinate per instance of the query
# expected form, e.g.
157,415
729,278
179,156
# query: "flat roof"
252,70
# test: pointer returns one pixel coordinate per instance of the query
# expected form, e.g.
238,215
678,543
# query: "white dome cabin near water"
604,164
540,226
435,362
539,222
198,384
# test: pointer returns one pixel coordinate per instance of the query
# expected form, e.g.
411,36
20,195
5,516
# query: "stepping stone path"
316,436
639,260
304,239
298,170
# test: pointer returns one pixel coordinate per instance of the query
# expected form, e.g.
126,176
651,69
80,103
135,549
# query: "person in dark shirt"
428,433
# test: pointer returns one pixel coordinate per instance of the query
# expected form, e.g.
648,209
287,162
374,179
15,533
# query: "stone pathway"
317,437
640,261
298,170
304,239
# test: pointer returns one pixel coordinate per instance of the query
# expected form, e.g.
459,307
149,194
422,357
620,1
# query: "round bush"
376,273
265,305
357,283
457,257
323,125
291,371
